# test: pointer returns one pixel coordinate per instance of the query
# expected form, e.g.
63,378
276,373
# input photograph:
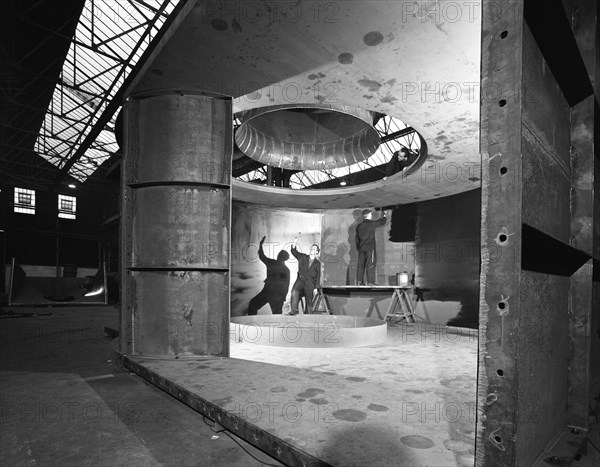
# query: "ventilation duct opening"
307,137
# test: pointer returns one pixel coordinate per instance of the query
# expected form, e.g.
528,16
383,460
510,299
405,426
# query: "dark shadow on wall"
404,222
468,316
447,253
334,257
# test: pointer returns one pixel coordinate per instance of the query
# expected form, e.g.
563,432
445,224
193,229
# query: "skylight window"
110,38
24,201
67,206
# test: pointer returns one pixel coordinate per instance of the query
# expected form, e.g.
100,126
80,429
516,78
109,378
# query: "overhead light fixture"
72,186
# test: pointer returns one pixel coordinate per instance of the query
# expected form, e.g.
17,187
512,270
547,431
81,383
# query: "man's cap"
366,211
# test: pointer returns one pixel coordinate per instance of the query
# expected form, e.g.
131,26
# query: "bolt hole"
498,439
503,170
502,102
503,34
500,372
502,238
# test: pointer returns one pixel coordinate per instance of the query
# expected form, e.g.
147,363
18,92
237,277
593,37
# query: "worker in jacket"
365,244
309,276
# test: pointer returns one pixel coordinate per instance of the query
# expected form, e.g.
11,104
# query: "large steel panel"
182,138
525,317
501,199
177,313
582,238
180,227
595,312
543,362
546,157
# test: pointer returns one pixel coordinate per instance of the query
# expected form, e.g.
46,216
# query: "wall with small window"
67,206
42,227
24,201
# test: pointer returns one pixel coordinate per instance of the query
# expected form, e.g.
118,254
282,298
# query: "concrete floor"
65,401
407,402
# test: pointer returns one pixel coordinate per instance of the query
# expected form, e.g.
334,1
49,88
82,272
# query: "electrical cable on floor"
593,445
225,431
248,452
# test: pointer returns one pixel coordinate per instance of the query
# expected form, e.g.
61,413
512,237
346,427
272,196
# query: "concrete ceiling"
417,61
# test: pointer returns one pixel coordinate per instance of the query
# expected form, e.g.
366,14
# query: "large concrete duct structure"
307,136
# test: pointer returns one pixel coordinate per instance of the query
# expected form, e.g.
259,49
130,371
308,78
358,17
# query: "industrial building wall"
32,238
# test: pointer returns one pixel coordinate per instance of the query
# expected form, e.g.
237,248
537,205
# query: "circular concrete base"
308,330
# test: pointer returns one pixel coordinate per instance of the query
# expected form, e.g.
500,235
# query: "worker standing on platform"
365,244
309,276
276,283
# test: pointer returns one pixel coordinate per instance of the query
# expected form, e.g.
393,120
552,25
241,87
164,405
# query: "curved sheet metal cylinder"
307,137
176,216
180,227
174,313
181,138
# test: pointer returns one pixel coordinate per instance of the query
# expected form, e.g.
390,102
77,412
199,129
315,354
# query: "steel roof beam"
114,103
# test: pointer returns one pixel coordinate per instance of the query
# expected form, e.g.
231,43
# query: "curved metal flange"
307,136
316,331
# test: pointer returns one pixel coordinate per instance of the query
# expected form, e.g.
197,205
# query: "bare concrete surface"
65,401
407,402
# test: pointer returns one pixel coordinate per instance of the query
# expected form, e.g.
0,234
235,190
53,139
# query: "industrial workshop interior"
304,233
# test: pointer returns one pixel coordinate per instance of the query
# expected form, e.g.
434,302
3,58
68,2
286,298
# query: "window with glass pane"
24,201
67,206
